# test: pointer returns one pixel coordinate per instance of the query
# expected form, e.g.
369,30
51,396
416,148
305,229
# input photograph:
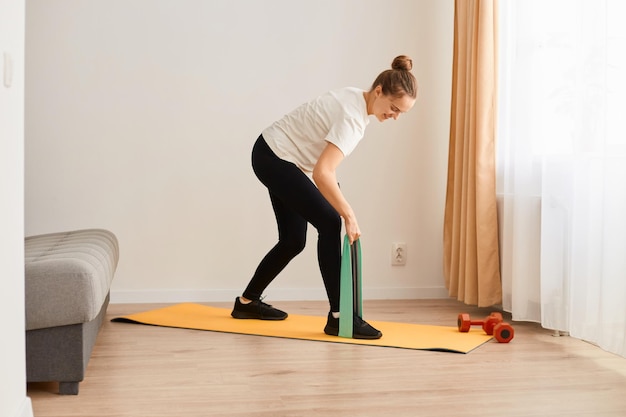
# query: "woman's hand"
352,229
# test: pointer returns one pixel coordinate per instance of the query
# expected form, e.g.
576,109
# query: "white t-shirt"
339,117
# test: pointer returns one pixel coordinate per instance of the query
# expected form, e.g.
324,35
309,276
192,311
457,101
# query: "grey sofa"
68,279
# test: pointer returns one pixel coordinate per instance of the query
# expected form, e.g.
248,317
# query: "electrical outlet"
398,253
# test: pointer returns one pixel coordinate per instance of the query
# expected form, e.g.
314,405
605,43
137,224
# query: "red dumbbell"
493,324
503,332
464,322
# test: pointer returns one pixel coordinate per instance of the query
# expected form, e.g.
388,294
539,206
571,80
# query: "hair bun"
402,62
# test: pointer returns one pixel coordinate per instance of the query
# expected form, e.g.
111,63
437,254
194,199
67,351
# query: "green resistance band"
350,296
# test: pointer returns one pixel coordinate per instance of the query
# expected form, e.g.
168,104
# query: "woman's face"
388,107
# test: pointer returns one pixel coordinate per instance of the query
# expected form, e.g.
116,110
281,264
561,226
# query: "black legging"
296,202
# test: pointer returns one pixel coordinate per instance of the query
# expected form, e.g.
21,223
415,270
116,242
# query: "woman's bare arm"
325,177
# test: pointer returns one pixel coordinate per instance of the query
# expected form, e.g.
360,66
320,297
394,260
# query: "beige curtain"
471,256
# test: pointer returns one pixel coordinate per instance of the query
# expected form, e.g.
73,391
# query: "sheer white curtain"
562,166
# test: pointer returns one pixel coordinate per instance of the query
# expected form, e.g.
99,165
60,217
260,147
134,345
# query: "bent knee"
331,224
293,246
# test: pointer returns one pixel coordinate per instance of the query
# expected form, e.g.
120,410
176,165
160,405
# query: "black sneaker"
360,328
257,309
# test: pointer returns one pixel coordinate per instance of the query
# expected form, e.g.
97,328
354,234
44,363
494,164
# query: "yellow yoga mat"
398,335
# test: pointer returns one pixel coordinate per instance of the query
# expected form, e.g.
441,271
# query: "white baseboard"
25,409
277,294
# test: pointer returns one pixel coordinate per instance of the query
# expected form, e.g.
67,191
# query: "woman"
296,159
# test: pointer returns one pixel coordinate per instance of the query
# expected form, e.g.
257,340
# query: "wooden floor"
151,371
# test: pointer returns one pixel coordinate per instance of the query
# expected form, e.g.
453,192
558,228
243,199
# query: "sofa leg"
68,388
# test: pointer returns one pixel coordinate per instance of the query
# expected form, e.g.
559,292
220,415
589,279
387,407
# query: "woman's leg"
291,241
296,201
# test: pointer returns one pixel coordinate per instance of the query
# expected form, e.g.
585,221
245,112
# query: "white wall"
141,114
13,400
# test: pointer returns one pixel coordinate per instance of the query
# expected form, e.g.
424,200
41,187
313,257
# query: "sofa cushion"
68,276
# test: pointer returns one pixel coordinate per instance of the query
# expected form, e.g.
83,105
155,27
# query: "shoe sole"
335,332
248,316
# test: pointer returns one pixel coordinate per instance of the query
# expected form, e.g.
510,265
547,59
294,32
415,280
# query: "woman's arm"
325,177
